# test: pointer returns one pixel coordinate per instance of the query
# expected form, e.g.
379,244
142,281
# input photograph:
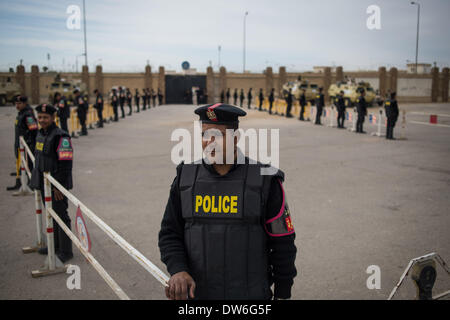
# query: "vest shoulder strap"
187,176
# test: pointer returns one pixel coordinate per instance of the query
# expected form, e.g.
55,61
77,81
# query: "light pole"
84,27
220,48
245,18
417,37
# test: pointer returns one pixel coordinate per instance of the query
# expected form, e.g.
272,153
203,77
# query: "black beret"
45,108
220,113
21,98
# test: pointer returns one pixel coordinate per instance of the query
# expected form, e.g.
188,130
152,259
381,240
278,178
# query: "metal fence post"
53,265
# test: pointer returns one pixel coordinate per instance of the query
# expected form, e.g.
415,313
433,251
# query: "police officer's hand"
179,284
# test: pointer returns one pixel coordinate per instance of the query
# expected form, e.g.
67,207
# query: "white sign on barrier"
82,231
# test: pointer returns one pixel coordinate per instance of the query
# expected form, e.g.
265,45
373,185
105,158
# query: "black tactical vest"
45,156
224,234
22,127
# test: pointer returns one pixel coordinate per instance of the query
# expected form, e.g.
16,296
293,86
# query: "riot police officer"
129,98
222,96
320,103
99,107
391,109
249,98
340,106
271,99
137,98
302,102
115,103
145,99
122,101
26,126
63,108
54,154
160,97
241,98
235,96
228,95
361,109
227,223
82,109
289,103
153,94
261,99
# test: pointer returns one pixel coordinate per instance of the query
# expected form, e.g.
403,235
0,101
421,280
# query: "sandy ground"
356,200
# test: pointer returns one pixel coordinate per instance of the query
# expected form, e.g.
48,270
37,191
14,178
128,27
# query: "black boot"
16,187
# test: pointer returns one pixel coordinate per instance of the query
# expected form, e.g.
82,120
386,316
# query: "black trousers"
302,113
100,117
82,118
63,123
270,106
116,113
63,244
249,103
260,104
122,110
359,123
390,128
319,111
341,118
130,109
288,110
136,102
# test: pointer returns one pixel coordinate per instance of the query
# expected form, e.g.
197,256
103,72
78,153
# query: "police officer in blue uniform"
54,154
227,231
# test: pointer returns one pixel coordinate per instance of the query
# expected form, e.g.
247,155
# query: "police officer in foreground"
391,109
54,154
320,103
115,104
99,107
26,126
302,102
361,109
82,109
340,106
63,108
227,232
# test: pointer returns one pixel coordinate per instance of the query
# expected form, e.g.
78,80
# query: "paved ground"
356,201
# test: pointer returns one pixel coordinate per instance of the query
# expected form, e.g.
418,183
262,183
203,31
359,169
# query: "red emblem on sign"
82,231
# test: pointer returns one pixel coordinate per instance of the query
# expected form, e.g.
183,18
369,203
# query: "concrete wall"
434,87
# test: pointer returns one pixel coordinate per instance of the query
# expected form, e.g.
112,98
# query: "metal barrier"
423,269
52,263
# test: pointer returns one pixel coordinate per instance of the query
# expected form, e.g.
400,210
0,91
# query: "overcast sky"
298,34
